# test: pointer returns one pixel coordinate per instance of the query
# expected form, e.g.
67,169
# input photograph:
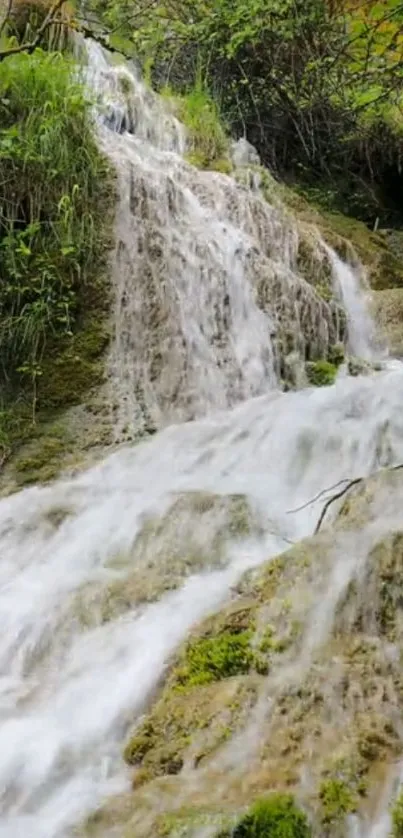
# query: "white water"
362,338
210,300
68,690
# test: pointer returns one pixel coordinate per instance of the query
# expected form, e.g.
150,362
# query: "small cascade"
363,341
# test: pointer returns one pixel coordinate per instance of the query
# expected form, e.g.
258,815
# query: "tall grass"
208,140
53,184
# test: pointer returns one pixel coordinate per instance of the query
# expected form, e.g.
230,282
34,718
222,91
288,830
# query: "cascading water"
210,299
207,289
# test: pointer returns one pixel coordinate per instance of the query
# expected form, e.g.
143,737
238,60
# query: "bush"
52,207
276,816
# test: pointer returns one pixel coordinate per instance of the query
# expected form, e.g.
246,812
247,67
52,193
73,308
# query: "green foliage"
397,817
276,816
337,800
316,86
212,658
52,208
208,142
321,373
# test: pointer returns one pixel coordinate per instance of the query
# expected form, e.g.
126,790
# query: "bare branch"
318,496
334,498
346,489
32,45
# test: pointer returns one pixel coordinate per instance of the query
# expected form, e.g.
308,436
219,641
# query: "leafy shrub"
52,207
316,86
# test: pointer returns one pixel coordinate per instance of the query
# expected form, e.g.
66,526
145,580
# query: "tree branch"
346,489
32,45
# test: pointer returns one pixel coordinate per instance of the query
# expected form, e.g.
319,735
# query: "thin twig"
319,495
334,498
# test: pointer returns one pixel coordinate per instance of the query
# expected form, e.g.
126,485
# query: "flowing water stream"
197,355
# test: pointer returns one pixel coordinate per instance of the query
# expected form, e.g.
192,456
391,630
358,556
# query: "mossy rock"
188,726
321,373
380,252
74,368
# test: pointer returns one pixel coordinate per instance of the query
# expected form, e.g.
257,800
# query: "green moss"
336,799
213,658
321,373
195,722
276,816
397,817
76,366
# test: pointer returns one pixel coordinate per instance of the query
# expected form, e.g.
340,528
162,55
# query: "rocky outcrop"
295,686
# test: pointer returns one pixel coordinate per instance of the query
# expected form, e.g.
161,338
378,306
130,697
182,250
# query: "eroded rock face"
311,704
388,312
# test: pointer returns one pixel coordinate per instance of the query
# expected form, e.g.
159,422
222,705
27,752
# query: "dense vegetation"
315,85
52,209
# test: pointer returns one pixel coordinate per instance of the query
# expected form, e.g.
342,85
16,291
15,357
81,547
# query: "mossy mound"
55,298
276,816
321,373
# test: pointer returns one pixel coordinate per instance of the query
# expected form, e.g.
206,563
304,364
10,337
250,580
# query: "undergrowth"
207,137
53,201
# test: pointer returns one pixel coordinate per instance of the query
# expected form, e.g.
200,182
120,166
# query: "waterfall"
362,338
210,298
208,292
